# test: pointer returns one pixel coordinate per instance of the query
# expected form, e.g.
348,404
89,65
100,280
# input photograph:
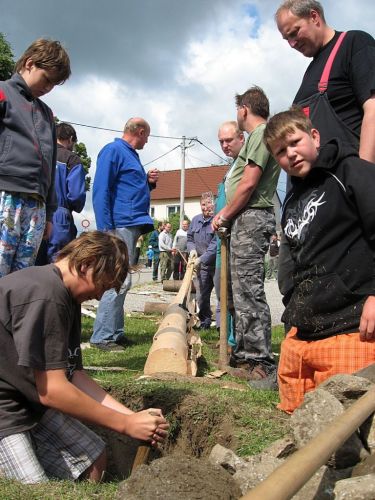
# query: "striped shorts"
58,447
306,364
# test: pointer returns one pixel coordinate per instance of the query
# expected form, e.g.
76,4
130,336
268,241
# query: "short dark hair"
49,55
105,253
256,100
301,8
65,131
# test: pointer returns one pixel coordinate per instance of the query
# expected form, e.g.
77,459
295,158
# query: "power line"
161,156
120,131
191,139
201,143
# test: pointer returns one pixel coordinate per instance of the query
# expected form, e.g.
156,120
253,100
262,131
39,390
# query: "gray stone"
282,448
346,388
365,467
368,372
367,432
316,412
322,484
226,458
357,488
256,471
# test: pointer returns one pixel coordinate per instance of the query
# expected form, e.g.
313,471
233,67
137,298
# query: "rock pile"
350,472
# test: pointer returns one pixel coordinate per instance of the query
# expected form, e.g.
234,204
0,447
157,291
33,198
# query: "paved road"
145,290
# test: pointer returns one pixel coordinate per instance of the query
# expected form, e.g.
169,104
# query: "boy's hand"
147,425
367,323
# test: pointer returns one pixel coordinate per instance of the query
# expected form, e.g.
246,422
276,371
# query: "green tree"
175,221
6,59
81,151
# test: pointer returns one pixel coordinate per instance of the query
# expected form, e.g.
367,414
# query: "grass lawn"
201,413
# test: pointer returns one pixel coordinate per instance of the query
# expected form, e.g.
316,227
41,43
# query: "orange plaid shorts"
306,364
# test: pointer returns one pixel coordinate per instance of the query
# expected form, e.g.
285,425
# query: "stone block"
316,412
356,488
346,388
226,458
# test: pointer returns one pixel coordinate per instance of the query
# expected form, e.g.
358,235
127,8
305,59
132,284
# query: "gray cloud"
137,42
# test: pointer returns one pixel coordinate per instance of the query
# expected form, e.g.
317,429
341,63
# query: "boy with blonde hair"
44,391
28,153
329,225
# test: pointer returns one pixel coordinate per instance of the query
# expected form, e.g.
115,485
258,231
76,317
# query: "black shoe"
109,346
238,362
125,342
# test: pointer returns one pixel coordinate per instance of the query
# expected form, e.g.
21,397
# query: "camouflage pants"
250,236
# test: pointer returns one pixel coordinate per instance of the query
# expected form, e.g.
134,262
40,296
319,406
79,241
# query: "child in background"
150,256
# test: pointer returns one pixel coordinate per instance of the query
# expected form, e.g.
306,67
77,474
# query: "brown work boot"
263,377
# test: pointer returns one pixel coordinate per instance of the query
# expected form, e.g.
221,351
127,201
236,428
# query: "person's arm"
190,237
367,139
367,323
76,189
85,400
209,256
245,188
51,199
104,180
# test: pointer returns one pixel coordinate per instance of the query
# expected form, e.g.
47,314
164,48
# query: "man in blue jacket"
121,200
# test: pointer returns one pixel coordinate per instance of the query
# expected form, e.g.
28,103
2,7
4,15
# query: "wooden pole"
169,350
289,477
223,349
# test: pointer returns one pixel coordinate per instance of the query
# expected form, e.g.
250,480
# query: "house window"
152,212
172,209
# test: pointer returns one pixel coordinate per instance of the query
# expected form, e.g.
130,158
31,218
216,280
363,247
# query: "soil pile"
179,478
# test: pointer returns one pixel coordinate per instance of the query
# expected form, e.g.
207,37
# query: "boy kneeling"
329,225
44,392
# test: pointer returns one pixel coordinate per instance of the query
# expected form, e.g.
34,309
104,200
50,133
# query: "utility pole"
182,186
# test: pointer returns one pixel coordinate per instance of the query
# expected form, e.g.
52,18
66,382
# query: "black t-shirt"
40,325
352,78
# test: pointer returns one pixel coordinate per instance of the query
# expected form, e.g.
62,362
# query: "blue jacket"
71,196
121,192
201,237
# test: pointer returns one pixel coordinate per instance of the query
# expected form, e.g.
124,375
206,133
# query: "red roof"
197,181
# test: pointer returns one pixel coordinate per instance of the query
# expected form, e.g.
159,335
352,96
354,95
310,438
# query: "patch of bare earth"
179,477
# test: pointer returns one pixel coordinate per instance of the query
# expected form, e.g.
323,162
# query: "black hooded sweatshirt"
329,223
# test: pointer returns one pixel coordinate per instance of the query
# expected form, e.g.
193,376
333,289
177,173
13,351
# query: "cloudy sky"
176,63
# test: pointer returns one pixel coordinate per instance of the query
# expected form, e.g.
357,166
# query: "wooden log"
170,350
155,307
174,286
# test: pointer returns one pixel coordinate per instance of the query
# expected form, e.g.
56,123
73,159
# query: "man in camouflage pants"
250,190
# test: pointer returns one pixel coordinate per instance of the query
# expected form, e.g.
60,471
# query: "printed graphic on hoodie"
300,217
